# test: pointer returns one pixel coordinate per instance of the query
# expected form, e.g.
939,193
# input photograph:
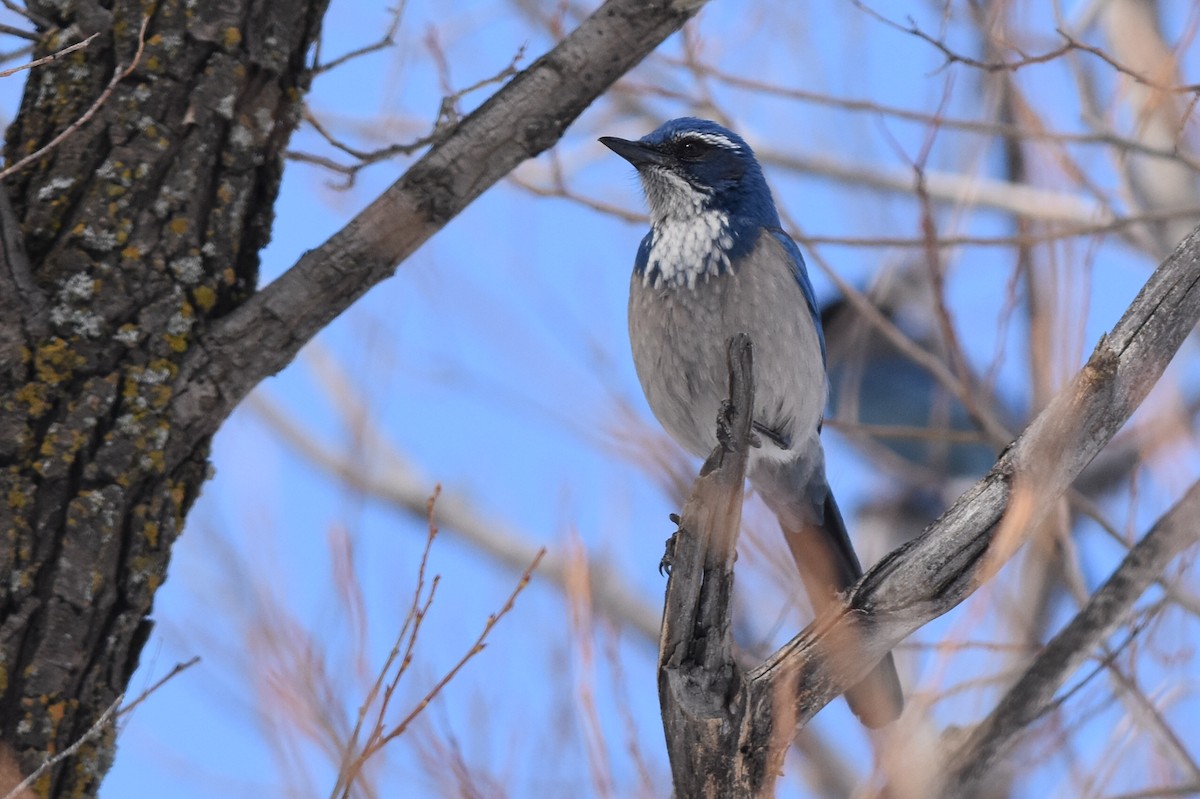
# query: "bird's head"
689,166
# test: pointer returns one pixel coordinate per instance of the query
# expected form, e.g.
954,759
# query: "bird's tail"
828,565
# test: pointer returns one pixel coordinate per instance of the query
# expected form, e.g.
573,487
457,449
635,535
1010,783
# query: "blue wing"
805,284
643,254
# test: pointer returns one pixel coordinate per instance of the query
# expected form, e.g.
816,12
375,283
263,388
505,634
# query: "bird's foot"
725,425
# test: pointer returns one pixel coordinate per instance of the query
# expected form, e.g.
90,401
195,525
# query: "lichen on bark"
141,228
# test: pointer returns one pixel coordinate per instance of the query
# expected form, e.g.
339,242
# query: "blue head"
709,203
689,166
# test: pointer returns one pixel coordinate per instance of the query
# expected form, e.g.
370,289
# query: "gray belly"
679,338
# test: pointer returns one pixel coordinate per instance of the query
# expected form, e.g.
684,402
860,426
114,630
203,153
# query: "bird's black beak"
636,153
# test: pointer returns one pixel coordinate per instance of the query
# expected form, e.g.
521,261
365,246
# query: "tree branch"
714,742
1034,693
938,570
727,729
521,120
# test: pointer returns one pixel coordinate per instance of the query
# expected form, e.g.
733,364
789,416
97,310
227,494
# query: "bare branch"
381,737
727,729
44,59
387,40
1034,693
37,19
521,120
1069,44
178,669
447,117
717,745
936,571
983,127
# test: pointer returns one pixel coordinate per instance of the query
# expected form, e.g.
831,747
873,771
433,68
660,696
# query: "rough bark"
129,322
122,246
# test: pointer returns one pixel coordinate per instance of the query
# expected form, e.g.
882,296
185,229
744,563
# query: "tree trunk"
120,247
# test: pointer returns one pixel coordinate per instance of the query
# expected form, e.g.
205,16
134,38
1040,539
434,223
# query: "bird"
716,262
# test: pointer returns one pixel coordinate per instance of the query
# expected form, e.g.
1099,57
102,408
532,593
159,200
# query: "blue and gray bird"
716,263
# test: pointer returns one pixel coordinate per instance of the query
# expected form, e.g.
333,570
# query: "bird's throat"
685,251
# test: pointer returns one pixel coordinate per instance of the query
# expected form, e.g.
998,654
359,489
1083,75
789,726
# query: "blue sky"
496,362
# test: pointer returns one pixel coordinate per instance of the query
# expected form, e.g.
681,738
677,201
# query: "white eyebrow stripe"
710,138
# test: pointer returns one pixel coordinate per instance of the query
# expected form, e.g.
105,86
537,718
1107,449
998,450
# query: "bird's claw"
725,425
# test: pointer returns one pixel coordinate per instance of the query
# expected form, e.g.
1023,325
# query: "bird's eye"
691,148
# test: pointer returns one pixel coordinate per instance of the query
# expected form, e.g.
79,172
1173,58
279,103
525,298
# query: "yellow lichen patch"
33,395
164,366
233,37
55,712
131,384
17,499
157,461
178,491
179,225
63,443
229,276
160,395
205,298
178,343
55,360
151,533
131,253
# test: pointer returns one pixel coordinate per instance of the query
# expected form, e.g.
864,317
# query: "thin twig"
406,639
982,127
179,669
28,36
475,649
1075,44
388,40
117,77
105,718
352,764
447,117
44,59
37,19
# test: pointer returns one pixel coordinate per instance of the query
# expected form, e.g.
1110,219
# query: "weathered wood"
718,744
